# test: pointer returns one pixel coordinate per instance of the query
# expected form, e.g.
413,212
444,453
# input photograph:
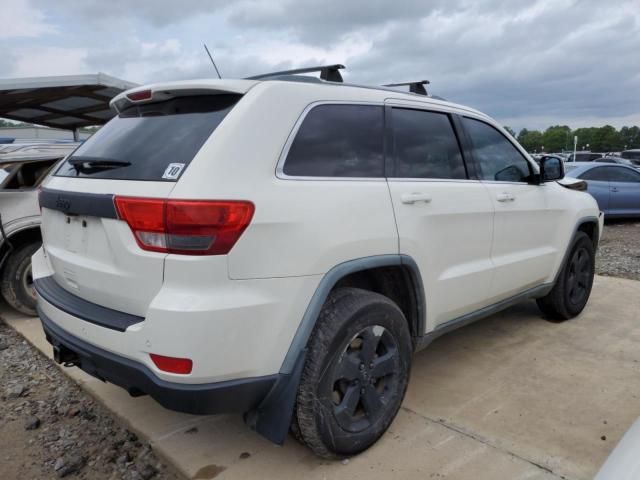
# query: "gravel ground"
50,428
619,252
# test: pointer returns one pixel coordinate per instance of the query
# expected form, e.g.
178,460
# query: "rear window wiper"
86,163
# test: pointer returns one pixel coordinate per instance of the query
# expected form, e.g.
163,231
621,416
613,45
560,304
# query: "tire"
344,406
16,284
571,292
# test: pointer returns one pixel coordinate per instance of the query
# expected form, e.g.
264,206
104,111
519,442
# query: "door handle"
505,197
411,198
614,189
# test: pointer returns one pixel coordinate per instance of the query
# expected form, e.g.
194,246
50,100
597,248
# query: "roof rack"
330,73
414,87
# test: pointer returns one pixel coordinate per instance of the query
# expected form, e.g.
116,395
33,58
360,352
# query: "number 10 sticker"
173,171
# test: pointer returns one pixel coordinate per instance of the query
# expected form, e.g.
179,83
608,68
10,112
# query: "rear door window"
425,145
619,174
338,141
158,140
497,158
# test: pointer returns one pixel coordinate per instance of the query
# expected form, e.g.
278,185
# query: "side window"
617,174
425,145
339,141
496,156
597,174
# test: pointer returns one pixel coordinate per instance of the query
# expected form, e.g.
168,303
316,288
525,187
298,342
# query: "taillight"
140,95
189,227
182,366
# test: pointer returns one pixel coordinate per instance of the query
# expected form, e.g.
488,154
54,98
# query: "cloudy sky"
527,63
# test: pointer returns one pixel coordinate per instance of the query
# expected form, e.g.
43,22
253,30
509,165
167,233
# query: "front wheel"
573,286
355,375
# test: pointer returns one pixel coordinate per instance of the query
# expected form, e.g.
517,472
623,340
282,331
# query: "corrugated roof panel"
71,103
67,120
28,112
102,114
109,92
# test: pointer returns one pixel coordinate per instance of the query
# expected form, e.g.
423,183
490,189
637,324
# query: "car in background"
615,187
631,154
620,160
21,172
623,463
584,157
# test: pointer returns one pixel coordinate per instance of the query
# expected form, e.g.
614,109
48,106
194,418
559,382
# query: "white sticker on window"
173,171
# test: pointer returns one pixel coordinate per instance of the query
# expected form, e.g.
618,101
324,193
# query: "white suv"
280,246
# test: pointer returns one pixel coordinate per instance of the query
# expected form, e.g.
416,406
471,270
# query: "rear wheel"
16,282
355,375
573,287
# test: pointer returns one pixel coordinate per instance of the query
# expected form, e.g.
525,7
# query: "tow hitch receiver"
67,357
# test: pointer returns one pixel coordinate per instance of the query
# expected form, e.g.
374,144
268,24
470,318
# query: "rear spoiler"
165,91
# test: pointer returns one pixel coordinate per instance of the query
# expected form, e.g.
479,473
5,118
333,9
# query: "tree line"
596,139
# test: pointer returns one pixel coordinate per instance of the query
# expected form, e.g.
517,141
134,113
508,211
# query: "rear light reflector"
182,366
189,227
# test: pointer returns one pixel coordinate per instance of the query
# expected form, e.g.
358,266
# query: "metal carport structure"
69,102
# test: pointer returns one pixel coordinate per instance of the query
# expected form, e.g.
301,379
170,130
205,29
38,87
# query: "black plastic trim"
536,292
301,337
465,146
78,203
66,301
596,237
231,396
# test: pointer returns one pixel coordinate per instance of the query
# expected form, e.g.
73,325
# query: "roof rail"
414,87
330,73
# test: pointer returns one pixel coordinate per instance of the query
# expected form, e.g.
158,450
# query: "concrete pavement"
509,397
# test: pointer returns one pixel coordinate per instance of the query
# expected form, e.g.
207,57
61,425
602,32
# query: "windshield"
155,141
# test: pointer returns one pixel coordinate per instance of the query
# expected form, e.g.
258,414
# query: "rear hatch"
142,152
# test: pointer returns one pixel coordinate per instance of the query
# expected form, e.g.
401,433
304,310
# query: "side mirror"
551,169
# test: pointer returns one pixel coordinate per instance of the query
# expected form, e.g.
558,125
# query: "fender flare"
273,416
581,221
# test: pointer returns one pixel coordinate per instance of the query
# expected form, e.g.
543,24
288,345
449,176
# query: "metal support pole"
76,134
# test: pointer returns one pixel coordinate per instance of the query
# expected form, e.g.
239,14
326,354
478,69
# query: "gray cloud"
540,62
159,13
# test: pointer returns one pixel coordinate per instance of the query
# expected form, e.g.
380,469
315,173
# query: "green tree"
556,138
585,137
531,140
630,137
606,139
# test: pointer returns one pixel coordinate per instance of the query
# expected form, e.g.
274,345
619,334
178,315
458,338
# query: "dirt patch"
50,428
619,252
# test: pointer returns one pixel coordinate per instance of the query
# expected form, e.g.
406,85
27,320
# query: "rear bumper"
231,396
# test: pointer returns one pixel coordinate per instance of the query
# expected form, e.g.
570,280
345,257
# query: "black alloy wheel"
362,377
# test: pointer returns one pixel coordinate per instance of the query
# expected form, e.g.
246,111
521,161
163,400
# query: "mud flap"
272,418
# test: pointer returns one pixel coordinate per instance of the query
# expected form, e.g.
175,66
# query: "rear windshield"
154,141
